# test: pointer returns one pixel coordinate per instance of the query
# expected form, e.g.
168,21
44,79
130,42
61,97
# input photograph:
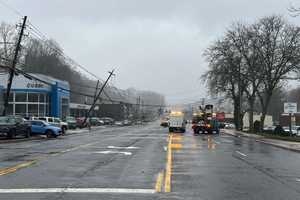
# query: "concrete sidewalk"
292,146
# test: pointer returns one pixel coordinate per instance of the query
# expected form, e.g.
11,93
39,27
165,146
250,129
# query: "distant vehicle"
138,122
203,122
71,121
119,123
54,121
127,122
14,125
95,121
269,128
295,130
164,122
79,122
63,125
229,126
107,120
177,122
44,128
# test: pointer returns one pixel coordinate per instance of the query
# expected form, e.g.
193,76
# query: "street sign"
290,107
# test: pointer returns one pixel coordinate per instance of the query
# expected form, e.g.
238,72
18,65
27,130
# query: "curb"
261,140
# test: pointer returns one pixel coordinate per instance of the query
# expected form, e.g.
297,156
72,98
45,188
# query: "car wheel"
11,134
28,133
49,134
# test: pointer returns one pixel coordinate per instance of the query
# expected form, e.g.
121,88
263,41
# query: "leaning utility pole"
97,97
13,66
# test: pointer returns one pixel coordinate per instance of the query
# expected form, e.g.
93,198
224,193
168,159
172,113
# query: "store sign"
35,85
290,107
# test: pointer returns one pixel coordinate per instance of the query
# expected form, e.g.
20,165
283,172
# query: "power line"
14,10
30,76
41,36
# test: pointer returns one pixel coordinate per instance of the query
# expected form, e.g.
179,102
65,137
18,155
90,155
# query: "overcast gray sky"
153,44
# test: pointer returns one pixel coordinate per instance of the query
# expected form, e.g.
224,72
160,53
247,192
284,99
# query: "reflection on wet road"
226,167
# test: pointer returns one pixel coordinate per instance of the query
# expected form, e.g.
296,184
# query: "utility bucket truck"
204,122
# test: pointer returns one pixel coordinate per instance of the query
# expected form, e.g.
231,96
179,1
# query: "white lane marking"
114,147
298,179
165,148
114,152
217,142
241,153
78,190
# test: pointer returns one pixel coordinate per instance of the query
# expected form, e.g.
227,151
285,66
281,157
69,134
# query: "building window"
64,107
20,97
10,110
42,98
20,109
33,109
33,97
42,110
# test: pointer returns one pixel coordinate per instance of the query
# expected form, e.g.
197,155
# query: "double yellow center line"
167,176
13,169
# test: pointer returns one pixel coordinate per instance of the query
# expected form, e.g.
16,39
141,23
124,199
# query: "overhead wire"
30,76
41,36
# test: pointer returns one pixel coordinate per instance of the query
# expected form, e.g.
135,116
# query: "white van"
177,122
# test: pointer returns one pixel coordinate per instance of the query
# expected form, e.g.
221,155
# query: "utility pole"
13,66
98,95
96,90
138,107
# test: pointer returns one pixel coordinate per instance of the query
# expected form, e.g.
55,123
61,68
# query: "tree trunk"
250,114
235,115
264,111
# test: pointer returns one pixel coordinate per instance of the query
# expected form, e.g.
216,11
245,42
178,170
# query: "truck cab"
177,122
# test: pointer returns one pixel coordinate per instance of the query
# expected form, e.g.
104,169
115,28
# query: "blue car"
43,128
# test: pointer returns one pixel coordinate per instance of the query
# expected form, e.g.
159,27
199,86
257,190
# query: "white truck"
177,122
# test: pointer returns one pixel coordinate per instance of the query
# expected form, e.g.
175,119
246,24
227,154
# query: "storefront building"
34,98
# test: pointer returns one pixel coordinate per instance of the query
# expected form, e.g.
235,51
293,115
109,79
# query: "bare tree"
279,51
8,35
244,42
224,74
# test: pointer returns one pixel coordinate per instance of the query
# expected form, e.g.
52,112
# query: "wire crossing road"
145,162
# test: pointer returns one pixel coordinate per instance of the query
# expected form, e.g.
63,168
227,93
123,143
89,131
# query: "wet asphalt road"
208,167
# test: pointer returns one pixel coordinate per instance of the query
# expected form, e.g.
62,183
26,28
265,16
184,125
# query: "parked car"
127,122
119,123
80,120
14,125
107,120
63,125
229,126
95,121
295,130
54,121
44,128
71,121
